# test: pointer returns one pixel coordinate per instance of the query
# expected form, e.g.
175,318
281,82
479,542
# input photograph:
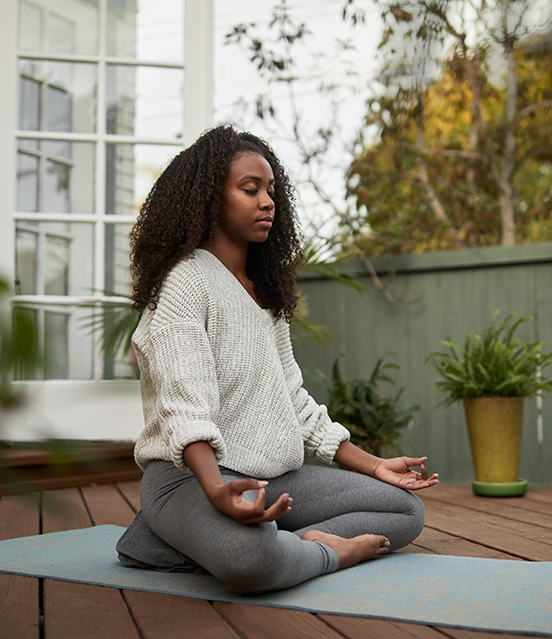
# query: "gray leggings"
271,555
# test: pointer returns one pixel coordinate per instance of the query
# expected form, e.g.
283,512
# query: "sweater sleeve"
182,371
321,436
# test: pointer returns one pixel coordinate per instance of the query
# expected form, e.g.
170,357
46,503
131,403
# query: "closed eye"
251,191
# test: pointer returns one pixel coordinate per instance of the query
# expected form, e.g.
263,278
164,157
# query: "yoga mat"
462,592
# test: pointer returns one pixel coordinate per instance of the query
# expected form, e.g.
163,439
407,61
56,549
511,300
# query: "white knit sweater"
216,367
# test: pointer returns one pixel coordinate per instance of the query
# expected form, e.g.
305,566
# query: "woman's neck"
232,256
235,260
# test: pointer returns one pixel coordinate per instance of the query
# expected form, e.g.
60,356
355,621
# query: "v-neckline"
240,285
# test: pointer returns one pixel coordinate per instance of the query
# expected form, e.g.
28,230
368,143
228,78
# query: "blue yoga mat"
462,592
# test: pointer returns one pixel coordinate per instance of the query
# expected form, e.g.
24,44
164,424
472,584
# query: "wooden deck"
457,524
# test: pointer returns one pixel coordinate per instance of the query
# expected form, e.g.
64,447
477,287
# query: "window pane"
56,178
60,35
117,259
131,170
144,101
26,251
26,368
63,93
56,345
54,258
58,110
146,29
57,265
55,194
42,29
29,104
27,183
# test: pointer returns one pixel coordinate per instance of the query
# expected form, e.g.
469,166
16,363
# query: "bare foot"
351,551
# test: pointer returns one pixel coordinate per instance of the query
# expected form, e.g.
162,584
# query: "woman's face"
247,206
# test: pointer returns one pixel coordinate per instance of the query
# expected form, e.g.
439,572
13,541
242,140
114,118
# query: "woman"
228,424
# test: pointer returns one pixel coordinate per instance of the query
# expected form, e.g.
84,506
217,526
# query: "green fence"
434,295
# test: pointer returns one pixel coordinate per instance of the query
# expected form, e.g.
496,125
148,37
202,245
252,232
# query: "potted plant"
373,420
492,374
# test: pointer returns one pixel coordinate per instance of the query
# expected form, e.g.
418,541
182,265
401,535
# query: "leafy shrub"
494,365
372,419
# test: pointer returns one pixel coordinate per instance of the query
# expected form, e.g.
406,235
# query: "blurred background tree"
456,148
463,151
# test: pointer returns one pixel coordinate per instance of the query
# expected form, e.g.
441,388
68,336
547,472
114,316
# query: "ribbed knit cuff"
199,431
333,437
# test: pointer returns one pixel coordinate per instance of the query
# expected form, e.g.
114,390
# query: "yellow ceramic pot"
495,425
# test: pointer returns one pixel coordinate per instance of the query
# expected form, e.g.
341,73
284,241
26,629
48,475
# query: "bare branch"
535,107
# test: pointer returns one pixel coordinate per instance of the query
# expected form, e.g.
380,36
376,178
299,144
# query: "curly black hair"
181,213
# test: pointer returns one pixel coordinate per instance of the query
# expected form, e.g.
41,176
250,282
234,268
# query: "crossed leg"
301,545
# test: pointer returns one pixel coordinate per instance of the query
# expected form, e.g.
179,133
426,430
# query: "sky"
237,79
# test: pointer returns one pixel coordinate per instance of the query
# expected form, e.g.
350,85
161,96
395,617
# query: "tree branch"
534,107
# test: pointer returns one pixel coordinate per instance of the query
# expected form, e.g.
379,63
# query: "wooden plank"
19,515
107,506
74,479
161,616
542,494
131,492
364,628
502,509
64,510
262,622
441,543
87,612
530,502
490,537
18,607
529,532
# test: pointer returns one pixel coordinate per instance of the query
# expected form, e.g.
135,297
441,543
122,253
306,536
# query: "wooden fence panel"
437,294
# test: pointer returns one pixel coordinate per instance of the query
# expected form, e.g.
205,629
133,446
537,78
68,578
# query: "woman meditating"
227,421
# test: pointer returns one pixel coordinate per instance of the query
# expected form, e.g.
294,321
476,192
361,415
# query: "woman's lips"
266,222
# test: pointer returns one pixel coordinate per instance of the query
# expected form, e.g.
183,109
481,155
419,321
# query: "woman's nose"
267,202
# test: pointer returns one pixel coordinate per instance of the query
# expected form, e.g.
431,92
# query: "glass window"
54,258
144,101
117,259
26,250
29,104
57,96
27,182
69,243
130,171
55,176
53,26
156,27
56,345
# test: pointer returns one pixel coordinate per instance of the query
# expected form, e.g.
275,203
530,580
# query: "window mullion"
99,266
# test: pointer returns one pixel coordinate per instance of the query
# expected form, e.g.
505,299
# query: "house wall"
435,295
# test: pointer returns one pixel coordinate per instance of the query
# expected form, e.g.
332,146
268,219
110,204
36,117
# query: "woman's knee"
417,515
254,568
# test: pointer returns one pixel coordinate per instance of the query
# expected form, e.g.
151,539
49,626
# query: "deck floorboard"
457,523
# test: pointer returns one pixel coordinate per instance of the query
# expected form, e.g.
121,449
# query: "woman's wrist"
200,458
357,459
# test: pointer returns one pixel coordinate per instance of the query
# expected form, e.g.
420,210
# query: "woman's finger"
243,485
260,501
279,508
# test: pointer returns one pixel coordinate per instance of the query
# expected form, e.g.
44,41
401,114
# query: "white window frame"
96,409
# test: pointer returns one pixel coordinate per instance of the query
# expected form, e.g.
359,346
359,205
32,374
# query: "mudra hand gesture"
398,472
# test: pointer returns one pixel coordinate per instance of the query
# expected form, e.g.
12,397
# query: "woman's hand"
397,472
228,499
